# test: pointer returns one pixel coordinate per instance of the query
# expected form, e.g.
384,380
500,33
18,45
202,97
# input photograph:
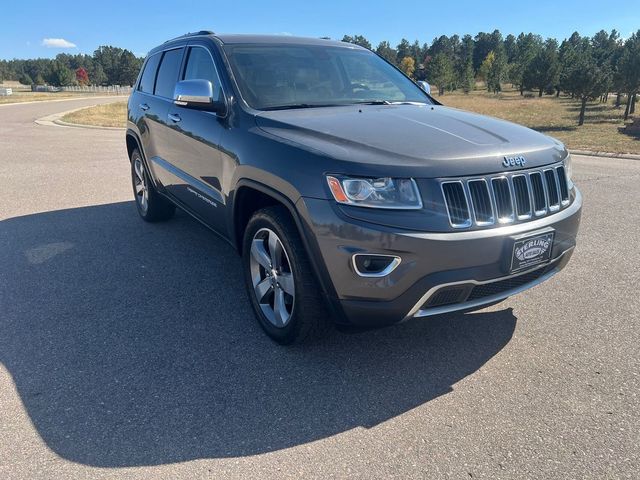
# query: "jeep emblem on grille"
514,161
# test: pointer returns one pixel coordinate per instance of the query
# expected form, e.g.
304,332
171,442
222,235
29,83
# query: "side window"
168,73
200,66
149,74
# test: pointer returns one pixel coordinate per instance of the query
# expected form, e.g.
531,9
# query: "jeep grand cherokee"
351,194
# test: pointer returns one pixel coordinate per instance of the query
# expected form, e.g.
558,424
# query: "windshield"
297,76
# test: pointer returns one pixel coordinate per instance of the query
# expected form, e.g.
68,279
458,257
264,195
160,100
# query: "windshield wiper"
301,105
388,102
404,102
372,102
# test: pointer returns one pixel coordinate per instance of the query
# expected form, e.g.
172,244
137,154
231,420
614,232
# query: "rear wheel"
282,288
152,206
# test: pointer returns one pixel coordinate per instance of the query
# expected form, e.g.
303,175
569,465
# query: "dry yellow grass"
20,97
107,115
553,116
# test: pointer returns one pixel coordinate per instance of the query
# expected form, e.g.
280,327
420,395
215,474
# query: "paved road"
128,350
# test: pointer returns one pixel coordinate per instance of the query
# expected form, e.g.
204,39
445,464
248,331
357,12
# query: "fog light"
367,265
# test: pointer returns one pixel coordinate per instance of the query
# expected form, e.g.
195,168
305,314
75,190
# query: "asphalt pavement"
129,350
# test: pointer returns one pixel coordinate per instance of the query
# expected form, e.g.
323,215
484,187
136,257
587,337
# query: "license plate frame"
531,250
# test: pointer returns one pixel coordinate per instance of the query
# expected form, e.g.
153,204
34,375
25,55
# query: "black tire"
151,206
309,319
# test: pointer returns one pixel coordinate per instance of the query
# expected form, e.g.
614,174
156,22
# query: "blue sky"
44,29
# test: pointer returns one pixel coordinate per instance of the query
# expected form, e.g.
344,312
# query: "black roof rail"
192,34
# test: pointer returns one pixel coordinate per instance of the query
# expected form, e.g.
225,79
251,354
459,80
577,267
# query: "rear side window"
149,74
168,73
200,67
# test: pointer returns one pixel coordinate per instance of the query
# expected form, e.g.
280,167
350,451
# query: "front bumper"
430,263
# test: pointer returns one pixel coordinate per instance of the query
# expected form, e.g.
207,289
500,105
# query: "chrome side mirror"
195,94
425,86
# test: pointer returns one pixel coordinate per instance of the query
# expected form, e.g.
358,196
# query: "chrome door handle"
174,117
144,107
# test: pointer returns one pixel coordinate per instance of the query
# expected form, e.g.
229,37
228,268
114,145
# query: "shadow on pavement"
133,344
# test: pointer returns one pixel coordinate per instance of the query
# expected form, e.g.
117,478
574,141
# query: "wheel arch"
247,190
133,142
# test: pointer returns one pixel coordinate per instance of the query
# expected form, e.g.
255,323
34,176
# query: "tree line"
107,66
586,68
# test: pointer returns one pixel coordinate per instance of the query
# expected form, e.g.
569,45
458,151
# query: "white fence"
107,90
4,92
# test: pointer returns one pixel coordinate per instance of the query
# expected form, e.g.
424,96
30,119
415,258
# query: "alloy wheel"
140,184
272,277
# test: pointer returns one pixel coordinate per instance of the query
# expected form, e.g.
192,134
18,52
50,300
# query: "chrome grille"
505,198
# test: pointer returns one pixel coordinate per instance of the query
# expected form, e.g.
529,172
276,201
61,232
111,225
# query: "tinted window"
200,66
168,73
149,74
273,76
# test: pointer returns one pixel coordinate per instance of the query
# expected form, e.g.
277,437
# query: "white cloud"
57,43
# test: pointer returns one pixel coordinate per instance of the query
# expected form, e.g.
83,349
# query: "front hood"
438,140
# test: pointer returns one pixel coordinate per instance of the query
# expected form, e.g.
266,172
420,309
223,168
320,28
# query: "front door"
193,146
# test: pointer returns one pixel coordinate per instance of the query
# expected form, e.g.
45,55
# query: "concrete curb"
54,120
629,156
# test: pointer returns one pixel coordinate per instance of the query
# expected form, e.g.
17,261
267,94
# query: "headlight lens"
386,192
568,169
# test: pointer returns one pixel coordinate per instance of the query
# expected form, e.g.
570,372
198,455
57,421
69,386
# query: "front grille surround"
514,197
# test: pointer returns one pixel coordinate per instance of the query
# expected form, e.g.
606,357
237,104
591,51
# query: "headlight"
397,193
568,170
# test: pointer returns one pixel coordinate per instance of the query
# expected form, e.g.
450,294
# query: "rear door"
150,111
160,131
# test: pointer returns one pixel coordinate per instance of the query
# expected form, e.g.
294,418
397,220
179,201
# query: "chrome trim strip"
389,268
417,312
195,183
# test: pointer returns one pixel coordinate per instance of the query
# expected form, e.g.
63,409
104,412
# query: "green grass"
553,116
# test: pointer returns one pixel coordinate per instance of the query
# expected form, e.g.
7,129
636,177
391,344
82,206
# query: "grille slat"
506,198
564,188
481,202
502,194
457,206
537,187
521,190
552,189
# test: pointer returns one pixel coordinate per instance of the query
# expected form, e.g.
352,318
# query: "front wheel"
282,288
152,206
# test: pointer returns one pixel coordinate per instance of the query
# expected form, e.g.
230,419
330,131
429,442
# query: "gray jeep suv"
351,194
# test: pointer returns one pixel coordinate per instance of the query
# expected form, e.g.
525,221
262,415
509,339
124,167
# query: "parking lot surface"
129,350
